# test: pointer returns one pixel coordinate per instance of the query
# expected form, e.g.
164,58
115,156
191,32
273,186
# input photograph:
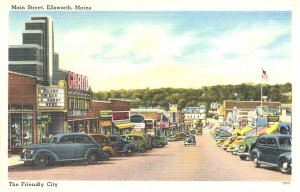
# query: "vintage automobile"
233,146
177,137
273,150
158,141
104,142
64,147
190,139
228,141
141,142
221,134
122,146
221,140
244,148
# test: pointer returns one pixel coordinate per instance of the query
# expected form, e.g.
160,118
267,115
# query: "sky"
182,49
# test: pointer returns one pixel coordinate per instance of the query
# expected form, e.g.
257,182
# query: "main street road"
203,162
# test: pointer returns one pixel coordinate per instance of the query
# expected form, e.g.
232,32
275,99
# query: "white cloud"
143,56
251,41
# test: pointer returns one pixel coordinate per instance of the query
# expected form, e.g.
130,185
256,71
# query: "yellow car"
233,146
228,141
104,142
221,140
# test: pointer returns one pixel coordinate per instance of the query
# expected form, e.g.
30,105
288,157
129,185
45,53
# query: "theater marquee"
51,98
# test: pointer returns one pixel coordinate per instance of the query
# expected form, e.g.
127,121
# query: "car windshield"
284,142
53,140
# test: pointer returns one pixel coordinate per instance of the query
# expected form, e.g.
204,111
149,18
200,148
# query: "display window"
20,129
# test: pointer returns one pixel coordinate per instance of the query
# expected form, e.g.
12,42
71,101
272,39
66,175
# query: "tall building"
36,56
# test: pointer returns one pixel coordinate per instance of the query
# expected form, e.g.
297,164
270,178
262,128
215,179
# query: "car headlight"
29,151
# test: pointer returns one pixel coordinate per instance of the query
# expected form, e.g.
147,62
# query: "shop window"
27,107
21,129
27,129
16,107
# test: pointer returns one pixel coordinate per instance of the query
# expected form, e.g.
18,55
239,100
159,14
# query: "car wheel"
41,161
284,166
255,161
243,157
160,145
129,151
92,158
108,153
143,149
242,148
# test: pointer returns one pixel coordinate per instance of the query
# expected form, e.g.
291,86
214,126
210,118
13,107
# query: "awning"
245,129
273,128
125,125
262,131
235,131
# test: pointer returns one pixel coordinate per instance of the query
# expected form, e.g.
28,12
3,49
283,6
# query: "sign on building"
51,97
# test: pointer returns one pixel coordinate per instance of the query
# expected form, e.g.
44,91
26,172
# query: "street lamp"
235,96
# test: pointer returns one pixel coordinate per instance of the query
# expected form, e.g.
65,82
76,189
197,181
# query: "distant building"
192,114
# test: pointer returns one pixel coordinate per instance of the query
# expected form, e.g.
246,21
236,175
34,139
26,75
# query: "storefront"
121,122
79,99
51,109
21,111
105,122
21,126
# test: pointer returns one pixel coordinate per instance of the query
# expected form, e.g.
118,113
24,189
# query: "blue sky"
189,49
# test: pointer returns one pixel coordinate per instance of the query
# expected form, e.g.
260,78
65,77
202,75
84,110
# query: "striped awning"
273,128
125,125
245,129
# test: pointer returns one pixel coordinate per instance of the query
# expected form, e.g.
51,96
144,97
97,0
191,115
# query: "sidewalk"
14,161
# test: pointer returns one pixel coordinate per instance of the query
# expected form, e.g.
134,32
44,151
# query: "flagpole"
261,90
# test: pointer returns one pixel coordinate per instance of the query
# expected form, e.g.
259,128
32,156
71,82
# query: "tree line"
185,97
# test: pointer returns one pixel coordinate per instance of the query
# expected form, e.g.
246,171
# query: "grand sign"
77,81
51,97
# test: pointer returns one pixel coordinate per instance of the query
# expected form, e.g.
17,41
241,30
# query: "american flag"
265,75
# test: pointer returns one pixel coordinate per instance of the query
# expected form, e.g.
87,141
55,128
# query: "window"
113,139
271,142
67,139
83,139
262,141
284,142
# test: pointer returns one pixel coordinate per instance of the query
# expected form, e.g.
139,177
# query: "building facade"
45,100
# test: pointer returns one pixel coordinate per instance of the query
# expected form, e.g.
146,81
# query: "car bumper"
26,157
242,154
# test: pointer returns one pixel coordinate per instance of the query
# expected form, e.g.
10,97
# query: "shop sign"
164,118
105,113
139,125
149,124
51,97
120,115
136,118
105,123
77,81
273,118
163,125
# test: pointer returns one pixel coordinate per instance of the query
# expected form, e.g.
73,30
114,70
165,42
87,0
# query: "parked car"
158,141
244,148
64,147
228,141
104,142
233,146
138,139
122,146
177,137
273,150
165,139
